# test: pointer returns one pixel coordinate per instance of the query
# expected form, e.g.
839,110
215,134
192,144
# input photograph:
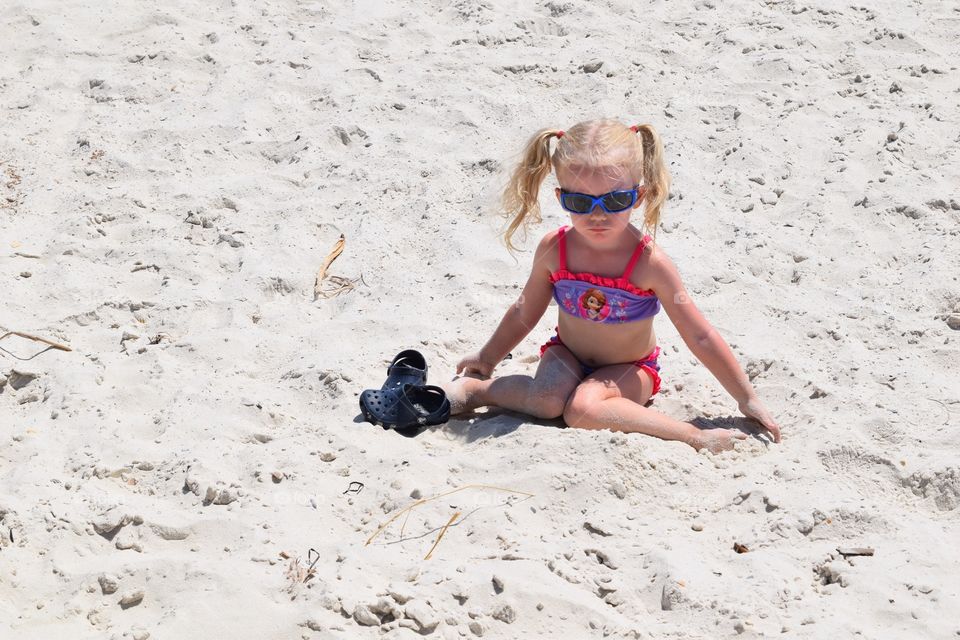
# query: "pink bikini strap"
562,241
636,256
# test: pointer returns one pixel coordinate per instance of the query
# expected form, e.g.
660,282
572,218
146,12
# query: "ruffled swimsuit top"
602,299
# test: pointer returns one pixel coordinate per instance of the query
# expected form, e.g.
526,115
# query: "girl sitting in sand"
609,280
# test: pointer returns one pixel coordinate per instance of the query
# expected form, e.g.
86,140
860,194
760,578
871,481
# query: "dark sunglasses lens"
577,203
618,200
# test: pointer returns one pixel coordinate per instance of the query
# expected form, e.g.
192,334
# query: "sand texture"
172,176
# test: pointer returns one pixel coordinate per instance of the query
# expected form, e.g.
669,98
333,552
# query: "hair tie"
560,134
635,128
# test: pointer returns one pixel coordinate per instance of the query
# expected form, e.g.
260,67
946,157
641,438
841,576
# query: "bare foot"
464,394
717,440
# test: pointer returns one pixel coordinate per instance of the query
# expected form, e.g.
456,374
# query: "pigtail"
655,176
520,197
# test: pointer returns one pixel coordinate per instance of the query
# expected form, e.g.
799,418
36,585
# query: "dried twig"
442,531
54,345
340,285
403,527
416,504
322,273
855,551
50,344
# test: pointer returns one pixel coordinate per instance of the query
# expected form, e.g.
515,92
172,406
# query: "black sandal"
408,367
426,405
414,407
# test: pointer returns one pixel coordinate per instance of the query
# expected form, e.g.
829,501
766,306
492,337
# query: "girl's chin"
601,234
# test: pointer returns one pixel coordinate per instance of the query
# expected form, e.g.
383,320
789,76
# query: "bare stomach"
598,345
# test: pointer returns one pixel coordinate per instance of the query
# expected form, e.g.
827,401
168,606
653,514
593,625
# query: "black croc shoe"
408,367
413,408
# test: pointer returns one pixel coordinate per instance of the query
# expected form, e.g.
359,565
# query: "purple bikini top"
601,299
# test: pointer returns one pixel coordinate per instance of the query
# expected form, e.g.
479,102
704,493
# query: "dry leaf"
322,273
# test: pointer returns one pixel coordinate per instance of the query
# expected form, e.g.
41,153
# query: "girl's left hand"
753,408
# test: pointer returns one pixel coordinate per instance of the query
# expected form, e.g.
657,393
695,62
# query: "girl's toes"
456,394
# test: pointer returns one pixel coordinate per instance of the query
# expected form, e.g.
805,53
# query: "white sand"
180,173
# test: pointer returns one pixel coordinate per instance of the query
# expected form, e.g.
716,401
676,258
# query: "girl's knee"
579,409
547,406
547,399
574,411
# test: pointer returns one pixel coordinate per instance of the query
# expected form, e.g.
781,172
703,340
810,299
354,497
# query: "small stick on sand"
442,531
53,345
855,551
439,495
322,273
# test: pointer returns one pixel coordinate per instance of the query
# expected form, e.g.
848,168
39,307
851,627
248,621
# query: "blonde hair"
595,145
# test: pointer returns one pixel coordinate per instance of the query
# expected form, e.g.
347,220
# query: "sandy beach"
173,175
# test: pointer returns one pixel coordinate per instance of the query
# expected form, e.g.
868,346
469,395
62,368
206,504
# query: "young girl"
609,281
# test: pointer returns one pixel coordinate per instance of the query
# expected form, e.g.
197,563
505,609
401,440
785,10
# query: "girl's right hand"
474,367
753,408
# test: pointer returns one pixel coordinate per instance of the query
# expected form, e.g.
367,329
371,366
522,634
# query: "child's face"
598,226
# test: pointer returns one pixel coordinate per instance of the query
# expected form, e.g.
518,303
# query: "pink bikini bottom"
648,363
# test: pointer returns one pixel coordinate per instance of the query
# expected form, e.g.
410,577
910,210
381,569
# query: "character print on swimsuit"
599,298
593,305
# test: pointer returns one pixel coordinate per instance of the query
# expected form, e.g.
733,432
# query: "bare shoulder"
550,239
548,253
656,266
656,256
660,270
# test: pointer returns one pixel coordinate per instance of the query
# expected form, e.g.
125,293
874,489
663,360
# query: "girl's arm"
522,316
705,342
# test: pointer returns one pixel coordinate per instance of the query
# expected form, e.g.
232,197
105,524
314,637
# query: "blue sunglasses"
613,202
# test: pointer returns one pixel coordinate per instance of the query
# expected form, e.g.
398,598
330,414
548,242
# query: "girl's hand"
475,367
753,408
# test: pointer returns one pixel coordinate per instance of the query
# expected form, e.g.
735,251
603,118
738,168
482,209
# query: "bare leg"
543,396
613,398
